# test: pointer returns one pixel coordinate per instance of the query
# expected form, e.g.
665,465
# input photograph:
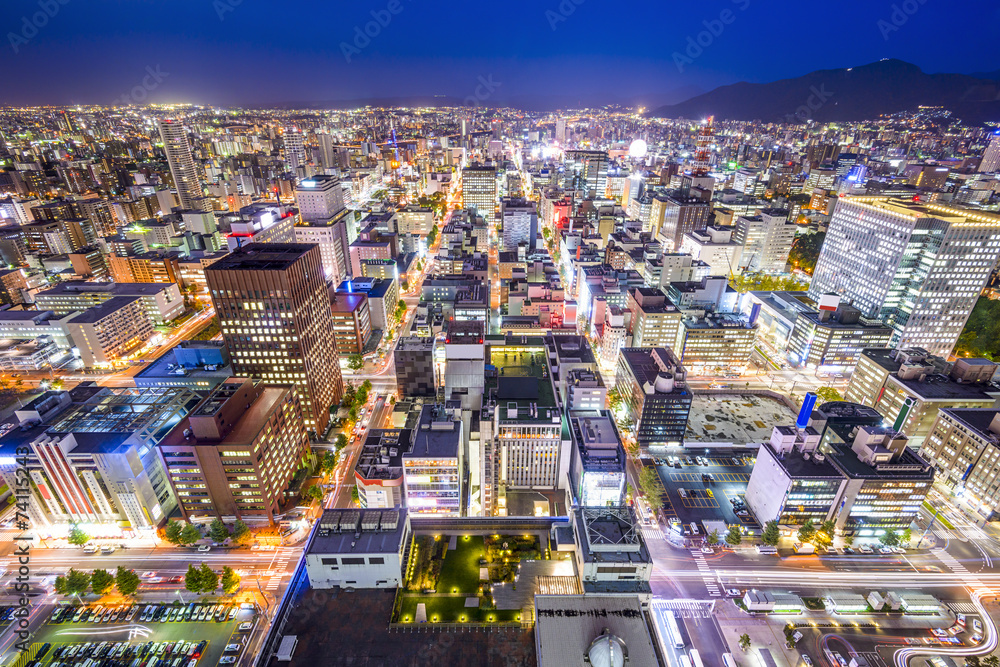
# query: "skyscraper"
182,167
918,267
274,310
479,190
295,151
991,156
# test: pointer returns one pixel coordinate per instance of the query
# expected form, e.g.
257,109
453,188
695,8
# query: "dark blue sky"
261,52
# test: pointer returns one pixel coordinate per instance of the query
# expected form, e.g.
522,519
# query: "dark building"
274,310
414,358
652,384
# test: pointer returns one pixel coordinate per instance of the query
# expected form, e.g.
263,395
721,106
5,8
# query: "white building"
715,247
182,166
319,198
917,267
358,549
766,239
990,163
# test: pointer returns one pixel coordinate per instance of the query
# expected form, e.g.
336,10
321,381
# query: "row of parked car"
676,461
123,654
152,613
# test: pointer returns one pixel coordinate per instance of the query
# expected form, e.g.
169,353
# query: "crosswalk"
706,572
650,534
687,608
955,566
281,558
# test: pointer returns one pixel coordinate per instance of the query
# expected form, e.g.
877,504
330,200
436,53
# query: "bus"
695,658
764,549
674,631
727,660
685,661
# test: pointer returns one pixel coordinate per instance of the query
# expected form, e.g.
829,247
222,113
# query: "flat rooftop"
262,257
381,456
97,313
73,287
797,467
433,437
359,531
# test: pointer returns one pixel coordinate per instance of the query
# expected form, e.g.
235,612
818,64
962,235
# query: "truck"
804,548
287,647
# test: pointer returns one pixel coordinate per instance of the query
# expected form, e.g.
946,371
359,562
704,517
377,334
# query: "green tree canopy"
889,538
208,577
172,533
713,537
218,531
828,395
190,534
77,582
341,441
981,335
127,581
807,532
771,534
652,486
241,534
314,492
805,251
101,581
230,580
734,537
192,580
744,641
355,362
77,536
329,461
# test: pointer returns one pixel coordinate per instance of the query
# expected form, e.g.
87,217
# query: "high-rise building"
236,453
273,306
319,198
917,267
765,239
479,190
991,156
681,215
653,385
587,171
519,223
182,166
415,370
295,151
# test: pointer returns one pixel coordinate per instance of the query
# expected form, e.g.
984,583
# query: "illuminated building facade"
652,383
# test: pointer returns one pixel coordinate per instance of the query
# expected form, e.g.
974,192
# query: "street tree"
905,536
172,533
652,487
230,580
771,534
828,395
354,495
713,537
101,581
218,531
824,535
77,536
77,582
807,532
127,581
192,580
328,462
744,641
341,441
734,537
190,534
991,661
208,577
314,492
889,538
241,534
355,362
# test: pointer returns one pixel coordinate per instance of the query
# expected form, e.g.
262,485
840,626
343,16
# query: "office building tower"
917,267
831,339
433,469
655,321
274,310
182,166
319,198
295,151
653,385
964,448
415,370
236,453
378,473
587,171
990,164
333,238
519,224
597,466
681,215
479,190
766,240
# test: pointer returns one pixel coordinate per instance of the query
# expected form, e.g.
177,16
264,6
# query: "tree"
349,395
230,580
218,531
355,498
355,362
314,492
905,536
328,462
805,251
77,582
101,581
734,537
713,537
190,534
826,532
991,661
208,577
127,581
652,487
172,533
889,538
828,395
771,534
192,580
241,534
432,235
77,536
340,442
807,532
744,641
60,585
972,661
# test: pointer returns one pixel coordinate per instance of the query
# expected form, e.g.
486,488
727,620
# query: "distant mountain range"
851,94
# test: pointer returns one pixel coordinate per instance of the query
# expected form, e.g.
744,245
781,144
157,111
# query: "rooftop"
437,435
976,420
262,257
357,531
381,456
97,313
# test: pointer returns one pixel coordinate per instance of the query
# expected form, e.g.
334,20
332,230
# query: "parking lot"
736,419
152,634
696,497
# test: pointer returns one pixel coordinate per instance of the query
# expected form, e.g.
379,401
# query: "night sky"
268,52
